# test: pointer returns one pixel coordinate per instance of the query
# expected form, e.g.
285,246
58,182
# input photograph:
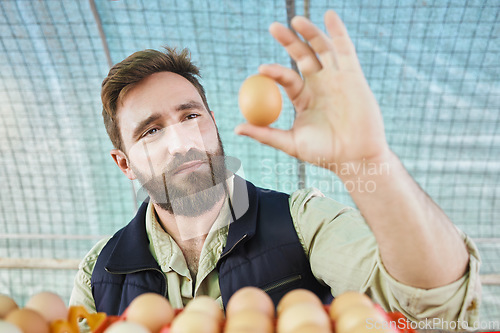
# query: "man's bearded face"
192,192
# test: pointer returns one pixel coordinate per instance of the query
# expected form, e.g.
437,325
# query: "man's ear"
213,116
122,161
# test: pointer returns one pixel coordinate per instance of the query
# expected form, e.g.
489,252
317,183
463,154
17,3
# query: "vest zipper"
232,248
144,269
282,283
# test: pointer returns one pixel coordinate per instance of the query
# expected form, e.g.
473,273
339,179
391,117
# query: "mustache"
189,156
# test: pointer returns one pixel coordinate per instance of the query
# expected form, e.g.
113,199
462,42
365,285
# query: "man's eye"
152,131
192,116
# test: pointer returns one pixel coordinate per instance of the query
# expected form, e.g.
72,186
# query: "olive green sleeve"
344,255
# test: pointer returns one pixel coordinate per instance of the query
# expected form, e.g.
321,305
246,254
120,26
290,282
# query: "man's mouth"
189,167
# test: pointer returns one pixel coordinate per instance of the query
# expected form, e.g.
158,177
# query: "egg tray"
396,317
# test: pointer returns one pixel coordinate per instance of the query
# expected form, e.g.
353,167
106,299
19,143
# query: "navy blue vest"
262,250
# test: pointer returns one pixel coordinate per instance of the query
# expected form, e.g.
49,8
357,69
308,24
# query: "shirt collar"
168,254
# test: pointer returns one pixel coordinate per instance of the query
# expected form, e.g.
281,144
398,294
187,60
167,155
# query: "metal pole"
290,13
105,46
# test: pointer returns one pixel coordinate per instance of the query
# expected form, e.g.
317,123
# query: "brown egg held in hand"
150,310
7,305
29,321
260,100
49,305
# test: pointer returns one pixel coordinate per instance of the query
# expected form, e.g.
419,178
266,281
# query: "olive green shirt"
342,252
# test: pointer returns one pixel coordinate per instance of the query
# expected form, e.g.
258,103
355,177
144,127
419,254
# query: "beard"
194,193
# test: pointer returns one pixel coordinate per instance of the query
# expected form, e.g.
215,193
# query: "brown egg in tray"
249,310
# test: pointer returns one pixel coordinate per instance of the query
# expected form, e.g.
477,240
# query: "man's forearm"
418,244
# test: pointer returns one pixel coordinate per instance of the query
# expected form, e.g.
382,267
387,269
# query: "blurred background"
434,67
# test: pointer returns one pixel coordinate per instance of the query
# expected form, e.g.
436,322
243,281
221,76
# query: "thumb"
274,137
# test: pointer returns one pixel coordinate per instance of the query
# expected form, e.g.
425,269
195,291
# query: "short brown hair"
136,67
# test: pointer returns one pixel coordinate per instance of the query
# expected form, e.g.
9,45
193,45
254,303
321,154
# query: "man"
205,231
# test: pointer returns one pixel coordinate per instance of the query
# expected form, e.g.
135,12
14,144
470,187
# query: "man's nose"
180,139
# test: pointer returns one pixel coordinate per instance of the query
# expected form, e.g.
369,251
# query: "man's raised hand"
338,119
